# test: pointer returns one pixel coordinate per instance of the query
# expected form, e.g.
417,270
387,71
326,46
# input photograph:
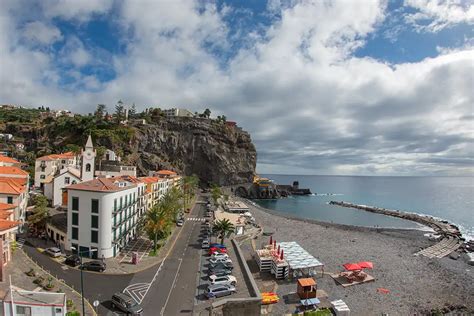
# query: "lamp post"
82,276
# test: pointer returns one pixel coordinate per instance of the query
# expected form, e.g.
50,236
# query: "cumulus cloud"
41,33
309,104
435,15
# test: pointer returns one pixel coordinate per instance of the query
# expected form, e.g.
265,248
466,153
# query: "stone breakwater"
446,230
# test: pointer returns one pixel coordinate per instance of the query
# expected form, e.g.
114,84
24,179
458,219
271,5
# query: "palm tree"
190,184
156,224
224,228
171,203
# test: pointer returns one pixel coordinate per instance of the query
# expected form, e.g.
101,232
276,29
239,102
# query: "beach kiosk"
306,288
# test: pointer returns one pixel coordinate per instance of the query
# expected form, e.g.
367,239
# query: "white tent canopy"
297,257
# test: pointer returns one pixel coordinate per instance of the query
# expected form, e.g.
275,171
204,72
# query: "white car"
205,244
215,261
218,255
225,279
53,252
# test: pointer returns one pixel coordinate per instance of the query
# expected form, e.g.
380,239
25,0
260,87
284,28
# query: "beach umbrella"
366,265
352,266
271,240
274,244
281,256
278,249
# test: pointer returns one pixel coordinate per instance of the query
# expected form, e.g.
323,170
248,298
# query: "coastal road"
168,288
174,289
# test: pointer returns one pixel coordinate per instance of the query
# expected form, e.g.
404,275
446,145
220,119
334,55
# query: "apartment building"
46,167
102,215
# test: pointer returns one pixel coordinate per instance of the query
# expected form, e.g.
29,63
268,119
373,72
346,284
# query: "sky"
324,87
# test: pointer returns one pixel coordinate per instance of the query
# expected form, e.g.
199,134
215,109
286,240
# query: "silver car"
219,290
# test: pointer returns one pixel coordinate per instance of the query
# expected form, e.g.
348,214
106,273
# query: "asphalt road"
166,289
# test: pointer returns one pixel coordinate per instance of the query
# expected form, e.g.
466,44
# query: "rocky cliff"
214,151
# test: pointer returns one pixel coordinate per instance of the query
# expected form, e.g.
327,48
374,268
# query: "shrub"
69,303
31,272
39,280
73,313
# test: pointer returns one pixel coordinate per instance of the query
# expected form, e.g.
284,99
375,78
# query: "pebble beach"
416,285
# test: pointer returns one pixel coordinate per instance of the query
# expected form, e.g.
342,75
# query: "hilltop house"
46,167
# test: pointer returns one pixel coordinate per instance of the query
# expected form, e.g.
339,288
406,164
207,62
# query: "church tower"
88,161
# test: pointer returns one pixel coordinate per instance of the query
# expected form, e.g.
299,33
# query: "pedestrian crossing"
20,242
196,219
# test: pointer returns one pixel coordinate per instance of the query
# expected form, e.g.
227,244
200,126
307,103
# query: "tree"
206,113
76,149
190,184
100,150
155,225
100,110
119,112
40,215
224,228
216,193
132,112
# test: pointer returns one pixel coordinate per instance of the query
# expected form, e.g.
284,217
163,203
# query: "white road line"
172,287
136,291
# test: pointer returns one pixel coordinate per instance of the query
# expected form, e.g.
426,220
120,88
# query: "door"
84,251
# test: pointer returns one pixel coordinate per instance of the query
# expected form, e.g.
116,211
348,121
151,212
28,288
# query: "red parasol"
366,265
281,256
271,240
352,266
274,244
278,249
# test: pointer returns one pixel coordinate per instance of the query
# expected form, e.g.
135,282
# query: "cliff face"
215,152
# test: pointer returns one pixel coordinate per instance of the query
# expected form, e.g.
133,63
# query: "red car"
218,250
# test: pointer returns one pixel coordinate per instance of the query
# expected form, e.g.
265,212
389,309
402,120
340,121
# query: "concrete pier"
451,237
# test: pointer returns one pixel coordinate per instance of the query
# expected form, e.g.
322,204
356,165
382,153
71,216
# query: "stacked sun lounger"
341,308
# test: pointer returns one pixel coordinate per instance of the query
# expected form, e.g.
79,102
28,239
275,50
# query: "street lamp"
82,276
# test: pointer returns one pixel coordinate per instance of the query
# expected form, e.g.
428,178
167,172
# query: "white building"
32,303
102,214
178,112
46,166
53,190
88,161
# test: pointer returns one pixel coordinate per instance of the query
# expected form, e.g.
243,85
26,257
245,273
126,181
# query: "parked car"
127,304
73,260
213,250
220,272
216,245
219,290
219,255
180,222
214,261
53,252
94,266
205,244
225,279
221,265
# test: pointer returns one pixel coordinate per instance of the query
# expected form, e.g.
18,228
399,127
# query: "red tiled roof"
6,224
12,170
8,159
99,185
166,172
8,186
148,180
67,155
17,181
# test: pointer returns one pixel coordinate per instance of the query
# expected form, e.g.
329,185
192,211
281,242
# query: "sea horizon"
442,197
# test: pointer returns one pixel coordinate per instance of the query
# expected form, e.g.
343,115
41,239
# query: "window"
94,236
95,206
67,180
115,205
42,177
120,202
63,161
43,169
75,203
58,310
75,233
95,221
75,218
126,200
88,167
23,310
9,199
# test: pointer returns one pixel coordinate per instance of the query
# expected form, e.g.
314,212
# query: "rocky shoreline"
416,284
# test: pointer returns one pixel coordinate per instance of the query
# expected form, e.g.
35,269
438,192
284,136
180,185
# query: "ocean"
449,198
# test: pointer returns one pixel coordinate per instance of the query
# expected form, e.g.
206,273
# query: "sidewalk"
18,268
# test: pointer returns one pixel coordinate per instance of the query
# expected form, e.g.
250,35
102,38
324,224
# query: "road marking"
196,219
20,242
137,291
172,287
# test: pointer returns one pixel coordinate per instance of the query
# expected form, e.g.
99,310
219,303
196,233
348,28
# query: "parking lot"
203,279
